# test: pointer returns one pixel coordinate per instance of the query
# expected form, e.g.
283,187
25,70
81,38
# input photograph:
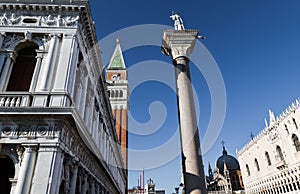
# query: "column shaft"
74,179
46,70
27,169
194,178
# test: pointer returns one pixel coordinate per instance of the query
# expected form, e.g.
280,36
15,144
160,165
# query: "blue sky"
256,45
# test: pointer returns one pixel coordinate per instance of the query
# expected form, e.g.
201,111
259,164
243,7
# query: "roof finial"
118,40
224,150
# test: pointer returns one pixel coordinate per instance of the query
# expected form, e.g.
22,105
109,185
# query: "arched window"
268,159
112,94
294,122
248,170
22,71
286,129
296,142
279,153
256,164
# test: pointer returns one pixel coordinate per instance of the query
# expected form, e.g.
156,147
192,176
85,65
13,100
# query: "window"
268,159
294,121
248,170
256,164
296,142
22,71
286,129
279,153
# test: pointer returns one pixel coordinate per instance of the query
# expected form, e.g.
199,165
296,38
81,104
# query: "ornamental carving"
272,134
29,131
49,20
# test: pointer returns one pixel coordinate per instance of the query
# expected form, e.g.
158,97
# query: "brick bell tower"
117,79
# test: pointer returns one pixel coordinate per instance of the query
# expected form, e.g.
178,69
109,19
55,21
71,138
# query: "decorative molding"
41,21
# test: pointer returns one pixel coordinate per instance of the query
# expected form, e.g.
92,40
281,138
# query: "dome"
231,163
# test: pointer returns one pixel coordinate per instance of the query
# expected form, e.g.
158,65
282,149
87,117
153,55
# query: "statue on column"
178,22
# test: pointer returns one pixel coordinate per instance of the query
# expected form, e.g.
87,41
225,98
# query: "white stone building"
270,163
57,132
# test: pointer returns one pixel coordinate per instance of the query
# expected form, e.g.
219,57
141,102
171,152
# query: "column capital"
30,147
179,43
54,35
3,34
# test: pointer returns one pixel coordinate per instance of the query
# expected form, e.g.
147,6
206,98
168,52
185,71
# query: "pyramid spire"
117,59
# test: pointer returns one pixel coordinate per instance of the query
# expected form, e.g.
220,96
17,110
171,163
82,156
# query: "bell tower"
117,80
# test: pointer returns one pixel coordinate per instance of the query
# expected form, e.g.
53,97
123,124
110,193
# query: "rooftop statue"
178,22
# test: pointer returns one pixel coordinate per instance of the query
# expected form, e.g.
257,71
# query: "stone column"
26,170
85,184
2,37
179,44
74,178
46,69
39,59
92,186
6,69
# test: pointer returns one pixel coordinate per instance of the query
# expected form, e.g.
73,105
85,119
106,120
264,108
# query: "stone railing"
29,99
15,99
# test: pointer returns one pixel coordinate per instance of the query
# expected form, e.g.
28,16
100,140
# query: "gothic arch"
296,142
256,165
279,153
268,158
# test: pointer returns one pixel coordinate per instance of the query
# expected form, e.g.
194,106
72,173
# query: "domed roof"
231,163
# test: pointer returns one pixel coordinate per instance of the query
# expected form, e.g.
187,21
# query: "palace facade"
270,162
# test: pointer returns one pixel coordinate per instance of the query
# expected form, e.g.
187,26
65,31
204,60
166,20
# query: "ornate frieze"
29,131
12,19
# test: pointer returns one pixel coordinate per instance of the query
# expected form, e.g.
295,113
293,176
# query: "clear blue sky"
256,45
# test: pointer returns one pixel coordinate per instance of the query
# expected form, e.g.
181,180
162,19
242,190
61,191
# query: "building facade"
57,132
270,162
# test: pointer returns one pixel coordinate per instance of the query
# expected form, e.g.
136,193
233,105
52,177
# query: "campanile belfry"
117,79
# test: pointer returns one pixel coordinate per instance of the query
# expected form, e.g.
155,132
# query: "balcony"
40,99
281,165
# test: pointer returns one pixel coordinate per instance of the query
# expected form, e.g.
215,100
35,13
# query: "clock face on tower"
115,77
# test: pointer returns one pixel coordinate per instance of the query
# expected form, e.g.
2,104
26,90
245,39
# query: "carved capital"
179,43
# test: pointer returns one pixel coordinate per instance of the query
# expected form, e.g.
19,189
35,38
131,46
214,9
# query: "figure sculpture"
178,22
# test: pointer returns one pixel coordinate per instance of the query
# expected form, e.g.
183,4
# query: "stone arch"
19,42
9,167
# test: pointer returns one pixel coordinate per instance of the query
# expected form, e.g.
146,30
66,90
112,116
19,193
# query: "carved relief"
272,134
10,39
29,131
50,20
